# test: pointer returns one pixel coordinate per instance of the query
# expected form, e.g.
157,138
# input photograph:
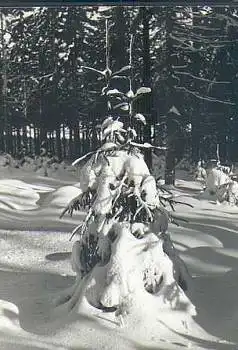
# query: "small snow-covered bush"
184,164
158,165
222,183
9,161
228,192
200,173
216,178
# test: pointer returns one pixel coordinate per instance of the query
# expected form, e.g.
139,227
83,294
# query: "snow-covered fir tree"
124,258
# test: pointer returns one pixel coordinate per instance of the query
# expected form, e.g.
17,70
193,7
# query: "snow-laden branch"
219,16
206,28
42,76
202,79
36,79
202,40
183,42
146,145
207,98
209,37
131,64
107,44
207,16
189,48
180,67
190,35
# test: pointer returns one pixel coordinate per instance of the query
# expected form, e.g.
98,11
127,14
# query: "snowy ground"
35,268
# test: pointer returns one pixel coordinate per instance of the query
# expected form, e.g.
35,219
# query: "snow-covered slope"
35,269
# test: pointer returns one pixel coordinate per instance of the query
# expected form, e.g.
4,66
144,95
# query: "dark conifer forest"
54,63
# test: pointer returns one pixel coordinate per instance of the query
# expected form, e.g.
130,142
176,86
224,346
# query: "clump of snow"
138,281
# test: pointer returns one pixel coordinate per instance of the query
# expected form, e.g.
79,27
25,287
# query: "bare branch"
207,37
201,37
202,79
217,46
182,41
205,28
219,16
203,40
207,16
231,20
191,35
207,98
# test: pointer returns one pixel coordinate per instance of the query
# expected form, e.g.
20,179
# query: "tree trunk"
222,137
195,139
76,139
64,142
36,141
30,140
1,140
43,134
170,154
147,80
7,125
25,138
118,48
118,45
58,143
198,105
70,142
95,143
18,141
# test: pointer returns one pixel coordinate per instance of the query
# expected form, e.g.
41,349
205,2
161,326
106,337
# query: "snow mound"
9,316
138,282
63,194
18,184
185,238
35,268
188,185
17,195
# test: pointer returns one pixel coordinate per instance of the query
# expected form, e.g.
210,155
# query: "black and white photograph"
119,177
